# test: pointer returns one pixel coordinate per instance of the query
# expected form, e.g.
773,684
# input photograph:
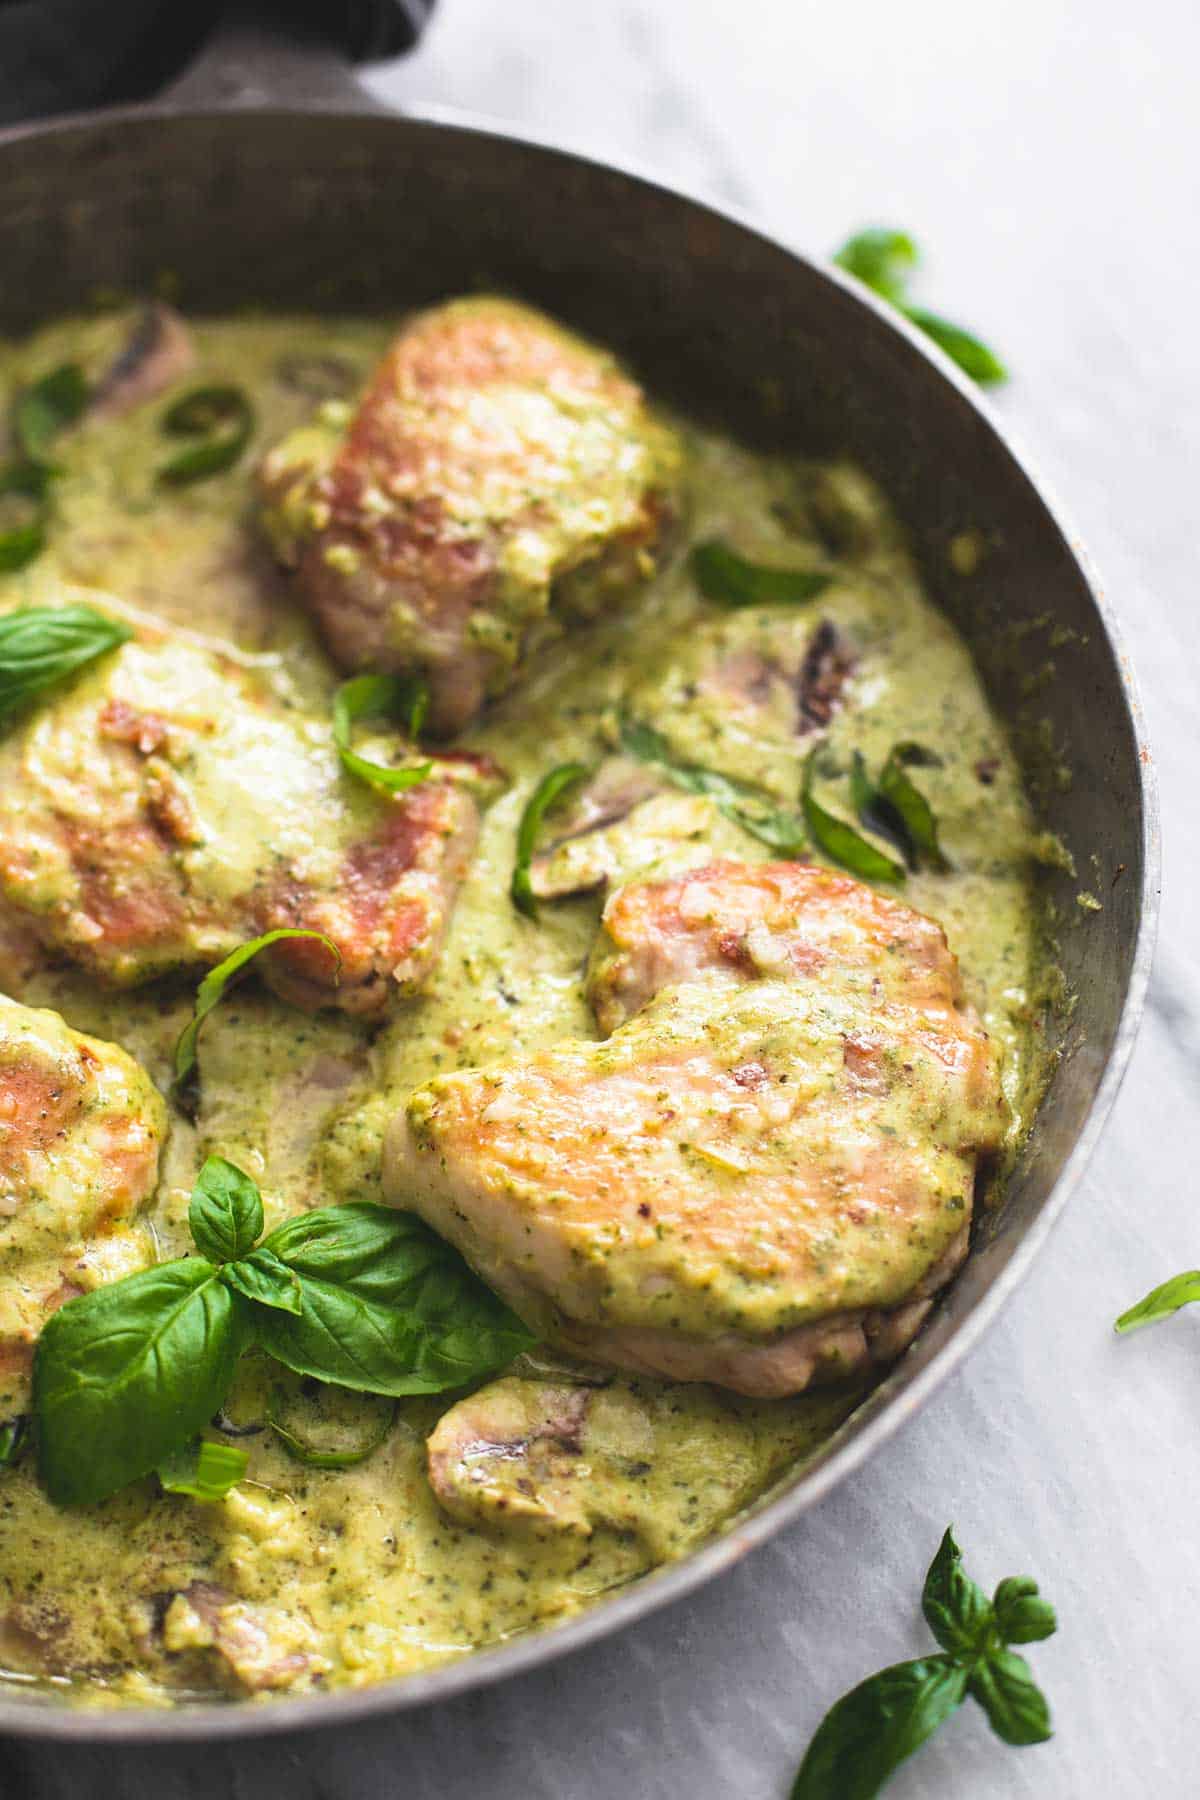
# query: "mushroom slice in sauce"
158,352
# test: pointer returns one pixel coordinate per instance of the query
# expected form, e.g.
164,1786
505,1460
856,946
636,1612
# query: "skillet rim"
895,1401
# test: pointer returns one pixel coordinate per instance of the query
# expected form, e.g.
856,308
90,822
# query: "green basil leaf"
261,1277
1022,1616
223,417
226,1211
874,1728
548,791
210,993
881,258
1162,1301
395,697
956,1609
1016,1708
721,574
304,1449
909,804
202,1469
124,1375
14,1435
41,645
46,408
877,813
840,841
388,1307
749,806
970,353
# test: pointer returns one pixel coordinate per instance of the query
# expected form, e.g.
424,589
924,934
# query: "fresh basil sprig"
210,993
722,575
839,840
884,259
202,1469
40,412
42,645
865,1737
222,417
544,797
896,808
1162,1301
128,1375
394,697
749,806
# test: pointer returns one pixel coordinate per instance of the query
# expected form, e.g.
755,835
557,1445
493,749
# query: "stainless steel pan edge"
1098,1043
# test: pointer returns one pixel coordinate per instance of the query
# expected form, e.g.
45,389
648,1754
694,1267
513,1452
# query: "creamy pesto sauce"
361,1566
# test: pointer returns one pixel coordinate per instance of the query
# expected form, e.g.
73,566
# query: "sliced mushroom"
158,353
511,1454
261,1648
827,665
670,830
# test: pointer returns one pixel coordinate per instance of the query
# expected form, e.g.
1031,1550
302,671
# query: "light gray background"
1046,153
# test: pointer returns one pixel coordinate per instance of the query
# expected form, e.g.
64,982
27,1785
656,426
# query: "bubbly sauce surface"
360,1568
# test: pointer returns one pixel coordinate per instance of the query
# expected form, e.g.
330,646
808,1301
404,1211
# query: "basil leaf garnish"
387,1307
223,417
42,645
884,259
261,1277
840,841
721,574
124,1375
14,1435
394,697
749,806
226,1211
867,1735
1016,1708
910,805
548,791
305,1450
870,1732
1162,1301
48,407
203,1470
956,1609
211,992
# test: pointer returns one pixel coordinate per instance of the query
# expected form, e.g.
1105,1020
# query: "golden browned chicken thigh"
168,806
764,1172
496,463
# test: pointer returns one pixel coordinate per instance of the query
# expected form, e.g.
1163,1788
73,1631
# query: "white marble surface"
1047,153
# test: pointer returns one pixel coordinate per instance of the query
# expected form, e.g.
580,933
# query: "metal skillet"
266,177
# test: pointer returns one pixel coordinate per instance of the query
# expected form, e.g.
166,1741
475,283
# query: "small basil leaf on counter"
867,1735
1022,1616
1162,1301
840,841
210,993
123,1375
222,417
304,1448
909,804
261,1277
391,696
971,354
544,797
225,1212
749,806
47,407
721,574
387,1307
14,1435
41,645
203,1470
881,258
956,1609
1016,1708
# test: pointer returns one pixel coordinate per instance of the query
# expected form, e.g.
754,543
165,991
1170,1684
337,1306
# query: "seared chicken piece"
496,464
81,1127
167,807
763,1174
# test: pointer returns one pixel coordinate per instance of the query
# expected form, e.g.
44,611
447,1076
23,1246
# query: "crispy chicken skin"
496,464
167,807
764,1172
81,1127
